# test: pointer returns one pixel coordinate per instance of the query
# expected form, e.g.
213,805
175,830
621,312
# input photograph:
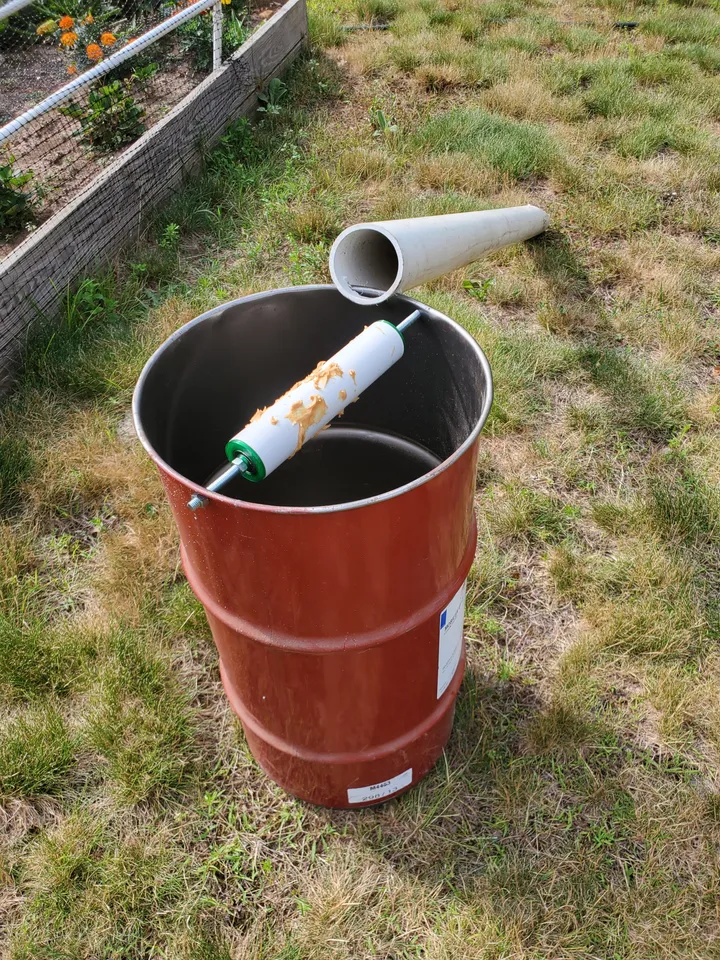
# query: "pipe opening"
365,257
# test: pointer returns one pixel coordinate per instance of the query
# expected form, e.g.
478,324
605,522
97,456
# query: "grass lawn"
576,813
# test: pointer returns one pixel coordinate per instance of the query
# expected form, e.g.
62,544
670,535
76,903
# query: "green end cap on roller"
236,448
394,328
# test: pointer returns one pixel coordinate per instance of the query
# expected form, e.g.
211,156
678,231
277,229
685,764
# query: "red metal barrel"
335,588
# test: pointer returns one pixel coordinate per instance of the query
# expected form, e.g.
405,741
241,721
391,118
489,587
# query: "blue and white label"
452,620
378,791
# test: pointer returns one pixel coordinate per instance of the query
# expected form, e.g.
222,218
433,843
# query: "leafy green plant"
139,75
111,118
87,38
18,30
55,9
272,98
236,150
478,289
196,38
15,203
170,237
382,125
235,33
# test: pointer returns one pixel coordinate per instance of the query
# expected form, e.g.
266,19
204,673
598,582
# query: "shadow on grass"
546,819
553,255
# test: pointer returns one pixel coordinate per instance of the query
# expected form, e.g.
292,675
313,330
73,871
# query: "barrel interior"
208,380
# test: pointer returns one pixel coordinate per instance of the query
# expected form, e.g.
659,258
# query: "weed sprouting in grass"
271,100
69,358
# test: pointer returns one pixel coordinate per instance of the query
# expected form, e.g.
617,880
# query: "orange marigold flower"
94,52
89,19
68,39
72,68
108,39
66,23
226,3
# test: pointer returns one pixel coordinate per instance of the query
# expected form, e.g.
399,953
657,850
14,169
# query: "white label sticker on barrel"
379,790
452,619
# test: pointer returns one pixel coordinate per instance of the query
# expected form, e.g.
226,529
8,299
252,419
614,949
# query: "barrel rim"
326,508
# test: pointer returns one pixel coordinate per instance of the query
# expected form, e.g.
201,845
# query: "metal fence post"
217,16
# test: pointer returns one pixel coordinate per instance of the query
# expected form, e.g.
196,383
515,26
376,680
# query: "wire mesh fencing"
82,80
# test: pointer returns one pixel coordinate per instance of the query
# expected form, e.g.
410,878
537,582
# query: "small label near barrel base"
452,620
377,791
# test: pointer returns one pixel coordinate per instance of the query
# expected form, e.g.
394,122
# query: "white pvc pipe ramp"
394,255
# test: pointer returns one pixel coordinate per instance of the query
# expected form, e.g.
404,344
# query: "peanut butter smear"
306,416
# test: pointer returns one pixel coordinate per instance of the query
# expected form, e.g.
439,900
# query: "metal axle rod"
238,466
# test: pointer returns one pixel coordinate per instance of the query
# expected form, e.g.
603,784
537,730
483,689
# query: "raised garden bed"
52,148
114,205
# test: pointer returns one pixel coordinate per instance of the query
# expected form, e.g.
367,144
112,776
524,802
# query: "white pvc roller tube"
396,255
277,432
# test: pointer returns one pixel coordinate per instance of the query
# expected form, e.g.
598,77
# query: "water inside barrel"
340,465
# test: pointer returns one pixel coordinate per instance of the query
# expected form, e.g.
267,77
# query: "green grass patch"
511,147
91,894
642,397
521,512
647,606
689,25
654,135
684,508
706,56
377,11
37,660
16,465
520,364
37,752
613,95
142,724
